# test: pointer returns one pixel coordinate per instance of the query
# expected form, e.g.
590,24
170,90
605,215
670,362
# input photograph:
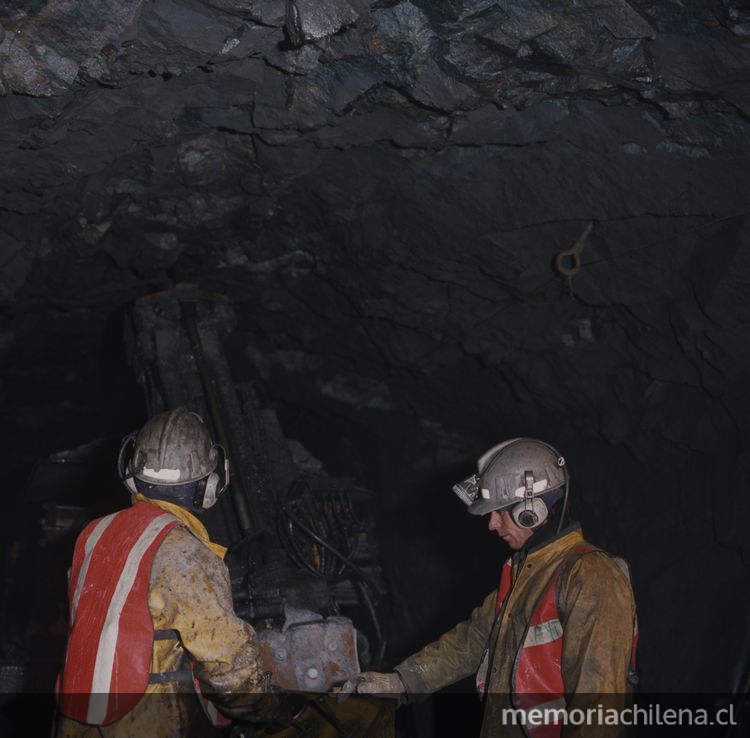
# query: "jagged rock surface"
383,188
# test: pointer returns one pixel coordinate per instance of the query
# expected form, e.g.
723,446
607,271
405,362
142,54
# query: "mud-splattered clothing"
597,615
190,603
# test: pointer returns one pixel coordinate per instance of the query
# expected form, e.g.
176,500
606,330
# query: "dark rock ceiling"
382,188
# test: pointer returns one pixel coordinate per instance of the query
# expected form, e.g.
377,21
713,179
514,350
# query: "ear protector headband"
532,512
123,458
216,481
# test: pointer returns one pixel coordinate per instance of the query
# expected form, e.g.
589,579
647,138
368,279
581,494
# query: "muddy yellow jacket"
190,603
597,614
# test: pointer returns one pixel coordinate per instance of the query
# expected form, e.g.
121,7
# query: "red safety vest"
108,656
537,680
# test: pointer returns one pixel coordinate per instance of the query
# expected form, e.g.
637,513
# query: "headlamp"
468,490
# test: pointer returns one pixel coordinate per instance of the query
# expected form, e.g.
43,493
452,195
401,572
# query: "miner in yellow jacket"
155,648
557,638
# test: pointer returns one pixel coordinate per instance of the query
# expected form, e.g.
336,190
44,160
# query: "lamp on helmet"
173,458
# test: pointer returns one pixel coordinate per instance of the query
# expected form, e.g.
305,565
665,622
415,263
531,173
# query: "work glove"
273,706
278,708
370,682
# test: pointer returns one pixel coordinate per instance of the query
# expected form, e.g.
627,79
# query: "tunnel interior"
442,223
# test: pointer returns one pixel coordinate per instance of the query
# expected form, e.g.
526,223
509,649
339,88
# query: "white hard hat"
515,474
172,450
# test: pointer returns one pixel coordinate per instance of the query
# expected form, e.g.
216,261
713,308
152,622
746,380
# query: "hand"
370,682
274,707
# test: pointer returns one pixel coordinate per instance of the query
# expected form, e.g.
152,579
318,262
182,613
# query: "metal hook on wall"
568,262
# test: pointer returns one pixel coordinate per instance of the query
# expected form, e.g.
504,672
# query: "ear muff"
216,481
211,490
532,512
529,514
123,460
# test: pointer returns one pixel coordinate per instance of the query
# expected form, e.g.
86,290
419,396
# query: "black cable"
342,516
565,510
361,574
370,605
366,582
294,550
249,537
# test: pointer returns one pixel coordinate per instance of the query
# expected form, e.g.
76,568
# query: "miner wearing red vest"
557,637
152,626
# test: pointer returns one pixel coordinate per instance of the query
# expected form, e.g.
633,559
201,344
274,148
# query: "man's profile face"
503,524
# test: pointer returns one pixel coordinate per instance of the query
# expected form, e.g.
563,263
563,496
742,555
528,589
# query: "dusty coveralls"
597,613
190,603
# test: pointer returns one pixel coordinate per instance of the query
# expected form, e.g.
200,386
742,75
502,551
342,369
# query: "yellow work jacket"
190,603
597,615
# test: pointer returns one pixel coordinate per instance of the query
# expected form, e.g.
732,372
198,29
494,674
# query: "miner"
154,646
557,635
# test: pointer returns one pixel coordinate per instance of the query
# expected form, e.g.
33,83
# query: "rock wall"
384,189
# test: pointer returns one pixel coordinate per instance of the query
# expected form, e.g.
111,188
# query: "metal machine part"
312,655
302,555
298,540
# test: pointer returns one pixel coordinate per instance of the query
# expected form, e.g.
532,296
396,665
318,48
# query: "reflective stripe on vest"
537,681
110,642
537,675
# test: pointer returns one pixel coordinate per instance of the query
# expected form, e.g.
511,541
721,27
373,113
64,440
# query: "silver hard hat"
172,448
513,471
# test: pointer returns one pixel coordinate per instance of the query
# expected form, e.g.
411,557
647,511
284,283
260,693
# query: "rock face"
383,188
